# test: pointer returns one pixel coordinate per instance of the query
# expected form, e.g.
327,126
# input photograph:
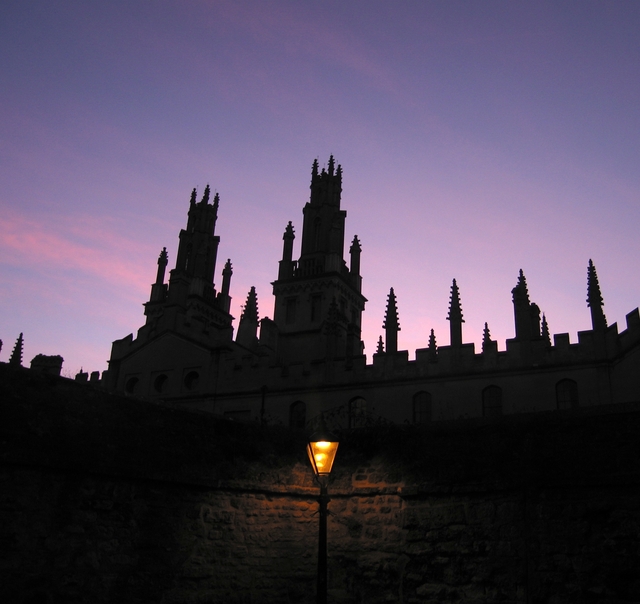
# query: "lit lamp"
322,448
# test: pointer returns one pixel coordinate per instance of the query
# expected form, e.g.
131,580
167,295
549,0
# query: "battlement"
309,357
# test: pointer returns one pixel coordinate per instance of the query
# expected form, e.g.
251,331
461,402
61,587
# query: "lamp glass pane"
321,454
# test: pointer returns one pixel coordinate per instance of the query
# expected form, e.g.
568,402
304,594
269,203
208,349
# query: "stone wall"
106,499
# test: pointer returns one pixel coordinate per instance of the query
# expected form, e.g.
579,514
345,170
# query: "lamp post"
322,448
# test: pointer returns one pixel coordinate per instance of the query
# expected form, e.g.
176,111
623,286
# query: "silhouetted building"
309,358
49,365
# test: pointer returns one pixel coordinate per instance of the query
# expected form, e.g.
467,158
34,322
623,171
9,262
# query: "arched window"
421,408
132,385
160,383
298,415
566,394
357,412
192,380
492,401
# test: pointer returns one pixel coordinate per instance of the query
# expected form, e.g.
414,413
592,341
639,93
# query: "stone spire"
380,348
486,338
391,323
227,271
354,269
526,314
433,347
286,265
546,336
455,316
15,360
520,292
594,299
248,327
159,289
163,260
223,296
207,194
250,310
354,251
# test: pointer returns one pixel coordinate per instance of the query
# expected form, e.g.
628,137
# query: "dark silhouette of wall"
108,499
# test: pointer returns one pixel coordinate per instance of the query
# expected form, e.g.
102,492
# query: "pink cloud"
83,244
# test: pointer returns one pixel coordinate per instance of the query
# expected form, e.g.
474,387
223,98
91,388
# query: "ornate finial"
594,298
216,200
15,360
391,315
486,338
380,348
207,193
486,334
594,295
164,257
289,233
193,196
227,267
546,336
455,308
331,165
250,311
432,341
314,168
355,245
339,171
520,291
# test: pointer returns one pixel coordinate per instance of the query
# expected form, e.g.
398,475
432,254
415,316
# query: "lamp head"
322,448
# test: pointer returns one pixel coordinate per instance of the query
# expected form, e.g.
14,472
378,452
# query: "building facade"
308,360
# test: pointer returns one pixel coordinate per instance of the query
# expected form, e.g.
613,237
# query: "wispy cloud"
81,244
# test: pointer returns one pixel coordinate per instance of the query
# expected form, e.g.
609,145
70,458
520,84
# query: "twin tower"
318,299
310,355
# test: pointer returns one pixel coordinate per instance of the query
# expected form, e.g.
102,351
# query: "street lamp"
322,448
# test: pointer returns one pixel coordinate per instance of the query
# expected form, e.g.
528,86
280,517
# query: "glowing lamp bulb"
321,455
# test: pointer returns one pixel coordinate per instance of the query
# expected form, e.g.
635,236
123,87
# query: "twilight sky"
476,138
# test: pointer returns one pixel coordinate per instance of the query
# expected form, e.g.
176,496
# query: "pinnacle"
15,360
250,311
455,308
391,315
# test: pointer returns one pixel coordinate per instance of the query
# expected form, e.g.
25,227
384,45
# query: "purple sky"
476,138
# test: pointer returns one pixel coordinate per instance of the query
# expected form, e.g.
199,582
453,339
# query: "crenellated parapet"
308,358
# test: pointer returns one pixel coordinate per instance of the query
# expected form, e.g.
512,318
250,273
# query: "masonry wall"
106,499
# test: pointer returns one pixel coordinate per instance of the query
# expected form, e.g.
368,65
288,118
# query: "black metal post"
322,547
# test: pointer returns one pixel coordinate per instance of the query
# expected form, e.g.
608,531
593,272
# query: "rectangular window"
316,301
290,316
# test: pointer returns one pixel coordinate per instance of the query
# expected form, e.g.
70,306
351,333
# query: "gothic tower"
187,309
318,302
526,313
